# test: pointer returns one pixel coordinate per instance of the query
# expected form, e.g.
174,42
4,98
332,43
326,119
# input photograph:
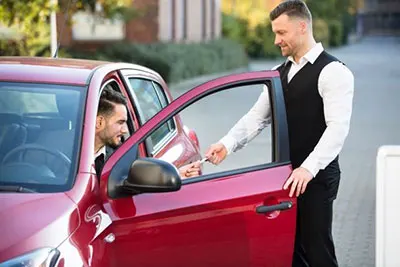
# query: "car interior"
37,140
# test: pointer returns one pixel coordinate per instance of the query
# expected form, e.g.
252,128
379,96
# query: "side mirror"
151,175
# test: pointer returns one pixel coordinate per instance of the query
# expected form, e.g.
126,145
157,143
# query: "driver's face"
113,127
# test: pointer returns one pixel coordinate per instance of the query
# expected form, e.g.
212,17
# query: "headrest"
9,118
68,105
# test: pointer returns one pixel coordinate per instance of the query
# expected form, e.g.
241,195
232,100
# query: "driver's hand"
190,170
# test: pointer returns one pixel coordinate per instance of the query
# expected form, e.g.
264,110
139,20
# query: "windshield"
40,125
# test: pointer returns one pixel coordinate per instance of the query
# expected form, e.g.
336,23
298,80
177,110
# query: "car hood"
31,221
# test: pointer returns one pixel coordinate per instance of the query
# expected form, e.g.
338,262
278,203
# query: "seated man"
111,126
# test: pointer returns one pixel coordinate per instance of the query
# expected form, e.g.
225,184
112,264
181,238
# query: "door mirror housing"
151,175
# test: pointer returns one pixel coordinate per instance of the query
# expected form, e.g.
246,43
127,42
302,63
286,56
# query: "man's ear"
99,122
304,26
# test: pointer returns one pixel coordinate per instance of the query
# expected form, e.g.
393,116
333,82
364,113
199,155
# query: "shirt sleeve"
336,87
250,125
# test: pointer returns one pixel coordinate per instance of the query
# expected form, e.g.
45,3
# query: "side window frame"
152,149
161,94
279,146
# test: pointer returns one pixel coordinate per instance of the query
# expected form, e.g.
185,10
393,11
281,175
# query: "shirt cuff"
311,166
229,143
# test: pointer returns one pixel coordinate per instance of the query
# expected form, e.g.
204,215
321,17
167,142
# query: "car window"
149,99
213,116
39,135
28,103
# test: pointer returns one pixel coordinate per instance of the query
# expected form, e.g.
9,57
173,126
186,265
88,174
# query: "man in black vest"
111,126
318,92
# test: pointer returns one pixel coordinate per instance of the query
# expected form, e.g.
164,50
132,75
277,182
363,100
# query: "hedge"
175,61
321,31
336,33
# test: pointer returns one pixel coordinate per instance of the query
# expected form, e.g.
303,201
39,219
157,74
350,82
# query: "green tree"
29,21
338,15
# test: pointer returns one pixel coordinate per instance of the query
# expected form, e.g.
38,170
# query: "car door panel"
212,220
210,223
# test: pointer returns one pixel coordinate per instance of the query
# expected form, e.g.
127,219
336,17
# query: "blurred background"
178,38
191,41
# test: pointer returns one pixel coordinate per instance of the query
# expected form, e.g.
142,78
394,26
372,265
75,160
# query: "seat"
12,133
61,138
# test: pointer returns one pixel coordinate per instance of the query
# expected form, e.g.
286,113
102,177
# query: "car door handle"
281,206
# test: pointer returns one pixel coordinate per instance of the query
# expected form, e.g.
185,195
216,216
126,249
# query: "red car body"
236,218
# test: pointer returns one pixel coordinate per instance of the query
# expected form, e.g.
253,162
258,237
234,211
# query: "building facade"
379,17
161,20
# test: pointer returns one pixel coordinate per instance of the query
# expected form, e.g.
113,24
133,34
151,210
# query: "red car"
56,212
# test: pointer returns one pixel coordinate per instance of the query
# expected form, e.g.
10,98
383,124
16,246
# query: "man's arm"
336,87
250,125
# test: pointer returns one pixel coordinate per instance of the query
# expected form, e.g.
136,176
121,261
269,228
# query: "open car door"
238,217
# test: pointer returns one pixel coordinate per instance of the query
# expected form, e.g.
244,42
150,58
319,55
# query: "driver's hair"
108,99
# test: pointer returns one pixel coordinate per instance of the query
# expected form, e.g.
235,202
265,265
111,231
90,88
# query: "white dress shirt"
101,151
335,86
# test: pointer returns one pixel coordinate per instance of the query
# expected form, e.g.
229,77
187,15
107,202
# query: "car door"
238,217
169,142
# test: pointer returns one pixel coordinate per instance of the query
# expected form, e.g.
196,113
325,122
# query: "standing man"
111,126
318,92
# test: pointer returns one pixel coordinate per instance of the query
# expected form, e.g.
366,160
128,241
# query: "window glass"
213,116
39,135
27,102
147,98
150,99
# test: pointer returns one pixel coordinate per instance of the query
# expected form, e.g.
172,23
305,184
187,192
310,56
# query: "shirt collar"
101,151
311,55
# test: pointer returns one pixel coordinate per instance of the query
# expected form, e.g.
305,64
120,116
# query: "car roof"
56,70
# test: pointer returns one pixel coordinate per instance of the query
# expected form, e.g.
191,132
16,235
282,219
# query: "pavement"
375,122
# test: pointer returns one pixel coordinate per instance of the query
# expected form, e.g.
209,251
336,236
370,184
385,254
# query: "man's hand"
190,170
299,179
216,153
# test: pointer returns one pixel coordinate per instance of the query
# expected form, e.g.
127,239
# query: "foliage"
258,41
247,22
30,21
335,32
321,31
174,61
338,14
254,12
235,28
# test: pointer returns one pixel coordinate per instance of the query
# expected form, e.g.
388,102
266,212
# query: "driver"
111,126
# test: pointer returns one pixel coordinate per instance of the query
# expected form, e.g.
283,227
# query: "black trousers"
314,245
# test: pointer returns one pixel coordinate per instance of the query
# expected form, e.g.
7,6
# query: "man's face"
289,34
110,129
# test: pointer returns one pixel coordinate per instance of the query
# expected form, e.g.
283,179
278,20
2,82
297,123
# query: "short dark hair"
292,8
108,99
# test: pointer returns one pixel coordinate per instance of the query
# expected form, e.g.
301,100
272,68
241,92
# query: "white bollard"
387,220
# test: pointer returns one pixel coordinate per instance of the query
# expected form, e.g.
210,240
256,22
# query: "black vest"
304,108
